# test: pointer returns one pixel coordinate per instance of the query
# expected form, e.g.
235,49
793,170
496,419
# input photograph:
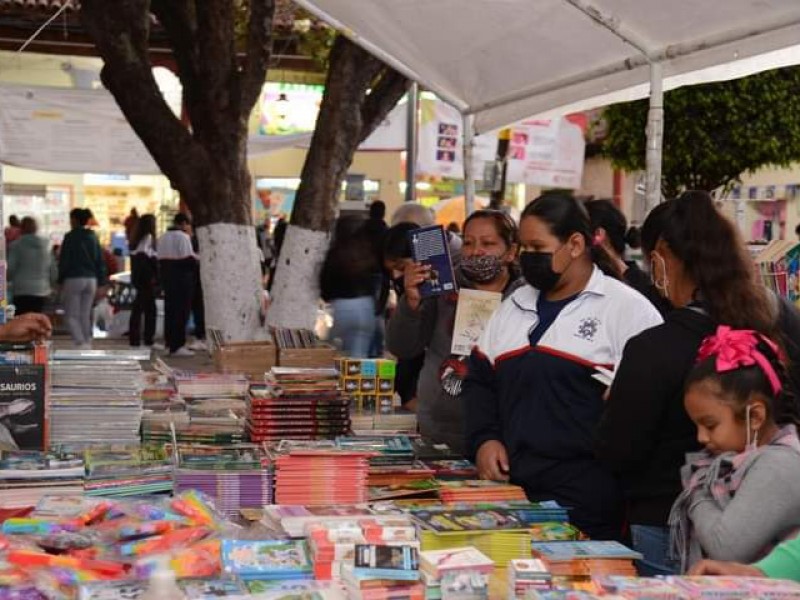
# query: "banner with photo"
548,153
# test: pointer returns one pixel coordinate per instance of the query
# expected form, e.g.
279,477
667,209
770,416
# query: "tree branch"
179,21
259,50
120,31
381,100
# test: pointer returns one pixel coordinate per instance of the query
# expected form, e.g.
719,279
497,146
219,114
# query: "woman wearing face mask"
487,263
532,403
701,266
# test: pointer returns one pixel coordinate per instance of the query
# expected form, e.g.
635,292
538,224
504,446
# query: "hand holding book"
414,276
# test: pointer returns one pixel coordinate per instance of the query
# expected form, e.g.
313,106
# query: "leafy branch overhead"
713,133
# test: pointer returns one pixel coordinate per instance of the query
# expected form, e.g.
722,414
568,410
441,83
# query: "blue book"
429,246
374,561
266,559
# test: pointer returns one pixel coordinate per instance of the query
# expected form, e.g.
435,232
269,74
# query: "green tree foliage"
713,133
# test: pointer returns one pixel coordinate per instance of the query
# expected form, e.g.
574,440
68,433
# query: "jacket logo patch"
588,328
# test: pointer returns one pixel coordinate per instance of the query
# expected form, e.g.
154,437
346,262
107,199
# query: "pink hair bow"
736,348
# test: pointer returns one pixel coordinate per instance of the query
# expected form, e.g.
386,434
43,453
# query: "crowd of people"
674,454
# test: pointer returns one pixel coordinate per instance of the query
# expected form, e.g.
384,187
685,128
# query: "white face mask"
662,285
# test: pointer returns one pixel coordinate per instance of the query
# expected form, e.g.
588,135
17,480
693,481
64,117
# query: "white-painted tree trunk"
295,293
231,275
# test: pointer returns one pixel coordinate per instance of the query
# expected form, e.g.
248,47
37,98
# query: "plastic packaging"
163,584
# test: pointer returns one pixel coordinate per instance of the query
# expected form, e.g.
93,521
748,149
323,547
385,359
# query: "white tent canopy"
504,60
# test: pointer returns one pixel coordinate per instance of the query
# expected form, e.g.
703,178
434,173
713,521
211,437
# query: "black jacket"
645,433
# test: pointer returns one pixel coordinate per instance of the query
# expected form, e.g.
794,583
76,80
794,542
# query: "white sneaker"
198,345
156,346
183,351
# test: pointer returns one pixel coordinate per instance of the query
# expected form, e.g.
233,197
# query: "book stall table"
242,487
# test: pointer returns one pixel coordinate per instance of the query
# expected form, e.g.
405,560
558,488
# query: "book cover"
473,311
23,418
429,246
112,590
386,562
268,558
200,589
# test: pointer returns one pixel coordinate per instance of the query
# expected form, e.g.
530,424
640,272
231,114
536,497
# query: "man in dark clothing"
198,306
178,267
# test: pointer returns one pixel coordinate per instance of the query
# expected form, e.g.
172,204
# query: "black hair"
737,386
797,230
604,214
565,216
28,225
503,223
13,220
654,225
715,257
396,244
80,216
181,219
377,210
145,225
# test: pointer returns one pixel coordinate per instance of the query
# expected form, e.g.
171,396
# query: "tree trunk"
207,164
359,93
231,276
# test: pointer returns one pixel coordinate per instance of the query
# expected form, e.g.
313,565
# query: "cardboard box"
253,359
321,357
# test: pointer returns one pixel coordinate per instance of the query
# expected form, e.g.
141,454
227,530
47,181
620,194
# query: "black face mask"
537,269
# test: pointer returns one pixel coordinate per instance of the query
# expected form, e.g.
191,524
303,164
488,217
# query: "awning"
505,60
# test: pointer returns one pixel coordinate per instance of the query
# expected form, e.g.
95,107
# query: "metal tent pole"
412,134
655,137
469,176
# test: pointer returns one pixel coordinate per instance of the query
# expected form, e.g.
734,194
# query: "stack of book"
295,520
582,559
527,577
463,570
479,490
234,477
303,404
128,471
266,559
402,481
321,477
95,402
452,469
333,543
386,450
383,571
210,385
26,477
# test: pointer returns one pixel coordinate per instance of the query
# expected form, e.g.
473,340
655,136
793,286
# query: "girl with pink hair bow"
742,493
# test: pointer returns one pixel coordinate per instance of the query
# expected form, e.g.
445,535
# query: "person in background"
177,266
782,563
531,401
267,247
426,325
376,229
277,235
739,398
130,223
348,282
396,256
698,263
611,231
376,225
144,279
13,231
454,228
81,270
29,269
411,212
198,305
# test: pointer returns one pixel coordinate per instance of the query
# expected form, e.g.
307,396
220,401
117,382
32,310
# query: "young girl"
742,494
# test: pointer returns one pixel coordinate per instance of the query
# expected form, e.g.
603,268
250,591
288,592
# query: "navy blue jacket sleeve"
481,403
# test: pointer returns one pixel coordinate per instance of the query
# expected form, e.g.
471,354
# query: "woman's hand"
492,461
26,328
415,275
716,567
